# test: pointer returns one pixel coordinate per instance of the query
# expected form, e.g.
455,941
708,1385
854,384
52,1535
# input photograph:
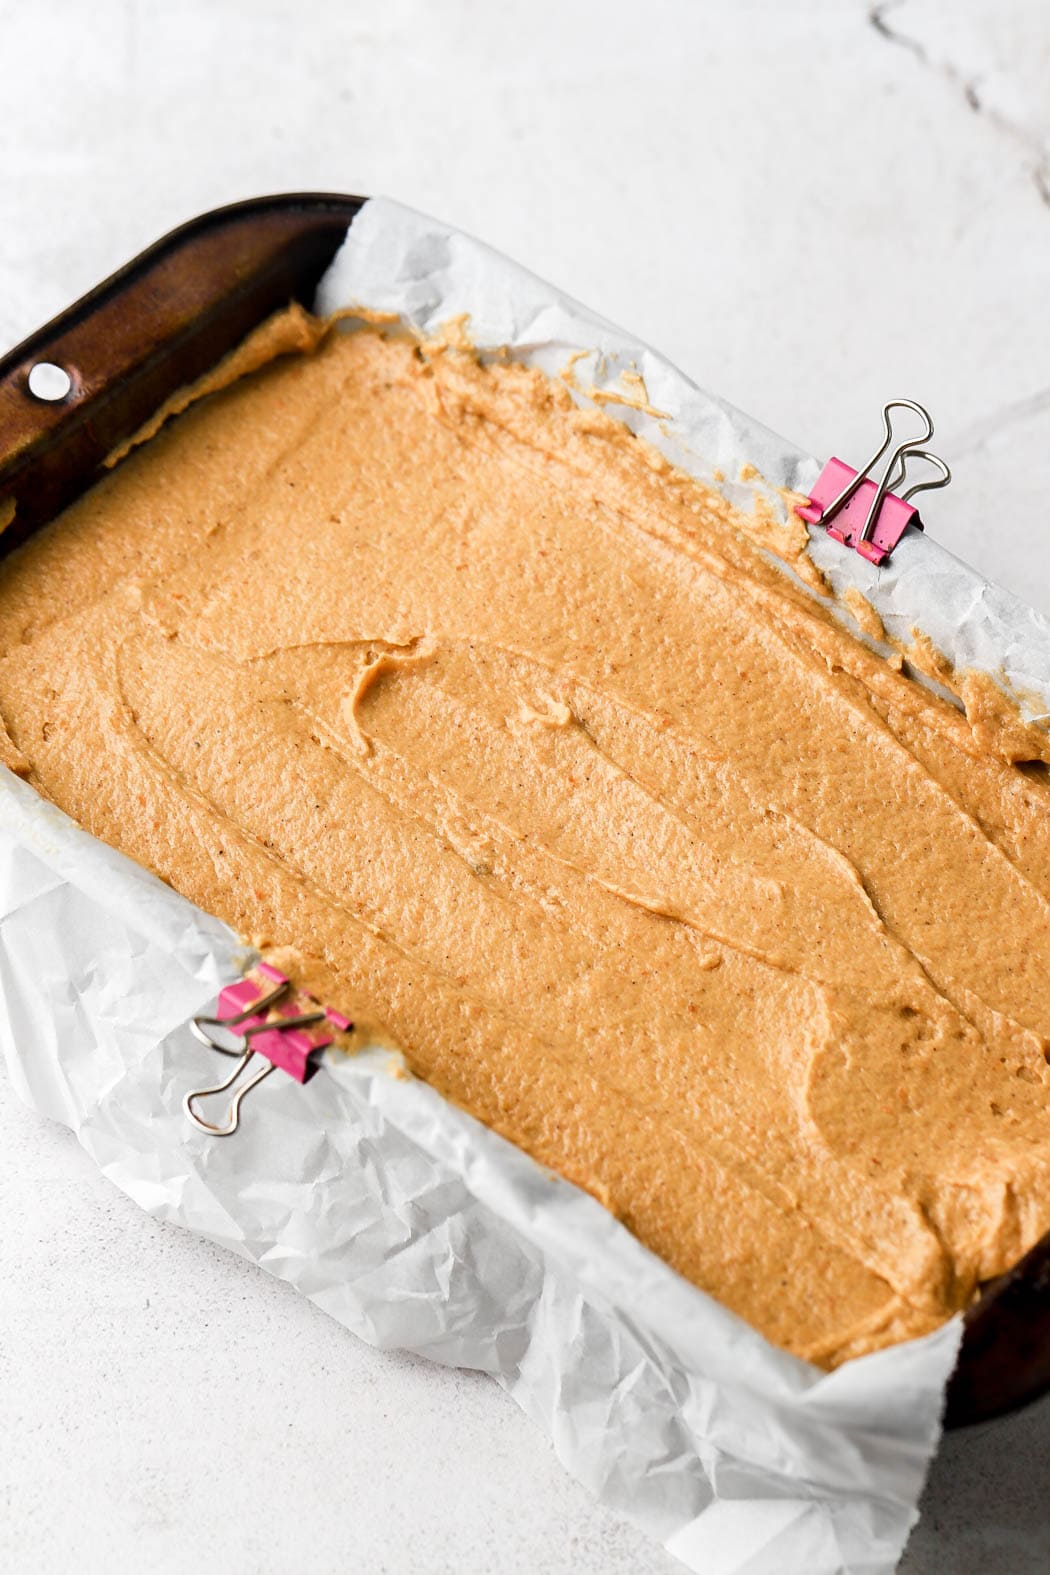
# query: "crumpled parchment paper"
399,1215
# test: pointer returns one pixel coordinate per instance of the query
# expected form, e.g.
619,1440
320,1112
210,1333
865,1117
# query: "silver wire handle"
927,486
233,1112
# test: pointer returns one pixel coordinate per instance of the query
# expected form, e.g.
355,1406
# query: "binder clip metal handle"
924,486
233,1112
289,1042
871,517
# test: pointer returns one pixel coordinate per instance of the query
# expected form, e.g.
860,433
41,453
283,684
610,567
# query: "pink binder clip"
870,516
246,1016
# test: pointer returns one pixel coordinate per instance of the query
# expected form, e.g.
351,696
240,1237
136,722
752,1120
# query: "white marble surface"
810,208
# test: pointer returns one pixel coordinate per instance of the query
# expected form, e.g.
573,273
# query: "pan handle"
1004,1362
156,325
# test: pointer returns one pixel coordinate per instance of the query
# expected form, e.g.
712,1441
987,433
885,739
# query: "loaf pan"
162,321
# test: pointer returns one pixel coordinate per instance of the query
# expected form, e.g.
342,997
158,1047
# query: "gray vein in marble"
888,18
975,437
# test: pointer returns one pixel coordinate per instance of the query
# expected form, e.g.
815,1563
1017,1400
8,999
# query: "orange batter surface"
511,733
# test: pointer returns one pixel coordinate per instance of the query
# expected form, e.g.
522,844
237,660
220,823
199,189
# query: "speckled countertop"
810,208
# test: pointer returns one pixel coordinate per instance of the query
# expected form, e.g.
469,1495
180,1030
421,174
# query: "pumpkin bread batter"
551,780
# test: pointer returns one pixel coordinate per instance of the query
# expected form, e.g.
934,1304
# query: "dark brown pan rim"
167,317
152,327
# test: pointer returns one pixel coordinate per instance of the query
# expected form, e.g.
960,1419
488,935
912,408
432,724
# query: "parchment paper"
402,1217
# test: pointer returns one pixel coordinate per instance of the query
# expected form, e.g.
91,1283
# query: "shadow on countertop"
987,1503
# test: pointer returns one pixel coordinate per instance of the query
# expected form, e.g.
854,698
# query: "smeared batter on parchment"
510,731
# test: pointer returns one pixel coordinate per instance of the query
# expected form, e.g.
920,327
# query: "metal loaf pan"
167,317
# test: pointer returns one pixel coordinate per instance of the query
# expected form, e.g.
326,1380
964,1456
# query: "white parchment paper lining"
403,1218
